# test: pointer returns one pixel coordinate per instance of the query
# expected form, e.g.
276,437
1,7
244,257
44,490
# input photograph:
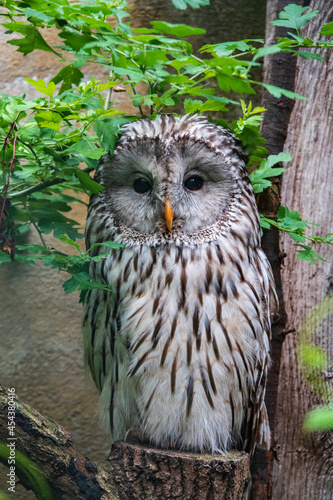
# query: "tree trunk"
280,71
304,467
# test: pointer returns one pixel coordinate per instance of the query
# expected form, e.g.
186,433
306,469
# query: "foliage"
46,140
182,4
290,221
319,419
313,361
25,467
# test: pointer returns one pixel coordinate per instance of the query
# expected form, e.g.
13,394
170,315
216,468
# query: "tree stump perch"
150,473
132,470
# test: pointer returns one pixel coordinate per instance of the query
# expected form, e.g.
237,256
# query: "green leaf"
323,239
26,259
26,468
42,87
49,119
299,238
197,3
41,16
69,241
319,419
139,100
192,105
300,39
179,30
229,82
278,92
259,176
69,75
151,58
195,105
182,4
308,254
110,244
106,130
290,219
77,41
274,159
23,228
310,55
135,75
293,17
259,184
51,125
32,40
33,248
264,222
97,258
265,51
4,257
226,48
82,281
62,225
313,357
88,183
327,29
86,148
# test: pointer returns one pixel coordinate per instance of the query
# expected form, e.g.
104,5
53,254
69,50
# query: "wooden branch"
132,470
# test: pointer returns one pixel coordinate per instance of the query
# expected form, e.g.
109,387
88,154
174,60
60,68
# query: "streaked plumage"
179,349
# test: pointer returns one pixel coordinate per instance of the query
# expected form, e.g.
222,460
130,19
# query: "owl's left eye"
141,186
194,183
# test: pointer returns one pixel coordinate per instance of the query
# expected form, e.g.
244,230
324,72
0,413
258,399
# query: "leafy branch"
290,222
75,122
75,265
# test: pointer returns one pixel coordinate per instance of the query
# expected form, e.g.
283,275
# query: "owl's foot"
132,435
173,446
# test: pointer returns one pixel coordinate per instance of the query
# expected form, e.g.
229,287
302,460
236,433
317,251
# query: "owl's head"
172,176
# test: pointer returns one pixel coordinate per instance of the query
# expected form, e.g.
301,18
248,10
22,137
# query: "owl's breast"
170,292
195,321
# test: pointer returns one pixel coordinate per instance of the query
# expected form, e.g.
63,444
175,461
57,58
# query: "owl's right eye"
141,186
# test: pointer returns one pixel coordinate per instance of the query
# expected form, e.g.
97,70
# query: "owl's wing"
106,353
100,328
100,333
256,426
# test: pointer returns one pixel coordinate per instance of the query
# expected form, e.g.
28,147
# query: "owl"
178,345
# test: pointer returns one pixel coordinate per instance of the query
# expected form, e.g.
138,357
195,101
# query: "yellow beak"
168,214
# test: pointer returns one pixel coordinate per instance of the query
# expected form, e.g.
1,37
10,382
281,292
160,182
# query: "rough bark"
131,472
280,71
145,473
304,468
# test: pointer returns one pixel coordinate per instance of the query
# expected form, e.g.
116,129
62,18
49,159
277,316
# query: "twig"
31,151
11,166
108,95
41,185
134,92
35,226
35,188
